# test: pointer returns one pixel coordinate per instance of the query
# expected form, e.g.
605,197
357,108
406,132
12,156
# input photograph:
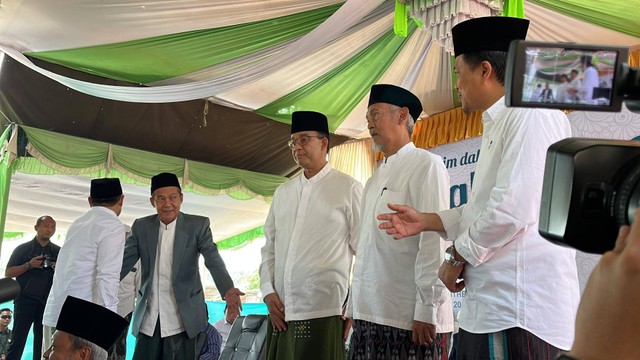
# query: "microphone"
9,289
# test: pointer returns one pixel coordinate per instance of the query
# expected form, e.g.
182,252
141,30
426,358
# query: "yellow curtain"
354,158
634,58
447,127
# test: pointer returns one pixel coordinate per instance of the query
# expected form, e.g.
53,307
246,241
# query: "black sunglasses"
5,317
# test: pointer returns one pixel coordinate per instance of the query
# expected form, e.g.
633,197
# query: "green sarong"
307,340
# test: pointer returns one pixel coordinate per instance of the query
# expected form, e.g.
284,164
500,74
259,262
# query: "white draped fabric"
439,16
55,24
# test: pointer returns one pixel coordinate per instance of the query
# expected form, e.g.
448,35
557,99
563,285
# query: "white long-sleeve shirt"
311,235
514,277
590,80
89,263
396,281
127,291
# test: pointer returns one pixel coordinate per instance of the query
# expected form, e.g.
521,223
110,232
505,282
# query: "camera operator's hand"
608,321
36,262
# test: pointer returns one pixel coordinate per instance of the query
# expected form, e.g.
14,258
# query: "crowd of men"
411,250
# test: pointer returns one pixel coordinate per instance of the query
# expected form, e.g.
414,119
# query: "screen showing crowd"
568,76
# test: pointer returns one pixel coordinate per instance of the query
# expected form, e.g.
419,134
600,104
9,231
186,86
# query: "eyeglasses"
163,199
302,140
5,317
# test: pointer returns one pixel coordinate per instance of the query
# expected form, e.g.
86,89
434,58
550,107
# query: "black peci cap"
395,95
91,322
106,188
490,33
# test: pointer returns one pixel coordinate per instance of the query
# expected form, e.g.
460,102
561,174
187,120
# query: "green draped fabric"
145,60
338,91
400,20
513,8
5,180
240,240
618,15
58,153
10,235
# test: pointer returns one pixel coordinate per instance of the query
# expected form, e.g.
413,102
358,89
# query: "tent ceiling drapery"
287,73
329,67
225,136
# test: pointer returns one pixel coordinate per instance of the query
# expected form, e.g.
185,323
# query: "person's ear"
487,70
402,115
152,202
325,143
84,353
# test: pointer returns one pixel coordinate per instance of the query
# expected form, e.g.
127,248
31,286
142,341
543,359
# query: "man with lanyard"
522,290
400,307
32,264
311,234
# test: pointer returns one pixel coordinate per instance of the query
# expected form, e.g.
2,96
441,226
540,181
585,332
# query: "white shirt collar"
494,112
169,226
317,177
403,150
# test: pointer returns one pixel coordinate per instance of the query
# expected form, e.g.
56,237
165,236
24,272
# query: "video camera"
591,186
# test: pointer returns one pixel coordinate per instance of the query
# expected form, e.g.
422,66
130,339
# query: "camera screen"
569,76
564,76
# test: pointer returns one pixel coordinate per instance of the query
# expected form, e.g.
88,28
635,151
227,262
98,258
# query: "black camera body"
591,186
46,261
590,189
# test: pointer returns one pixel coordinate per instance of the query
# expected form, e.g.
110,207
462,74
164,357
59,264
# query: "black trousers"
174,347
24,315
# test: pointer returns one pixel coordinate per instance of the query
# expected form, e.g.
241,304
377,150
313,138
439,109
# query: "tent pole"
5,185
5,179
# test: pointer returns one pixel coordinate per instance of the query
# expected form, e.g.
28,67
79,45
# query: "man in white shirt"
399,305
522,290
590,80
311,233
89,262
224,326
170,318
574,86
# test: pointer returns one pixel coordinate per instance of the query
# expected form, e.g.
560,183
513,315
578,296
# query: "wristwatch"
27,265
449,257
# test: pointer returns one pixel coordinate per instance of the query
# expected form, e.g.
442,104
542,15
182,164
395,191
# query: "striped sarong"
371,341
514,343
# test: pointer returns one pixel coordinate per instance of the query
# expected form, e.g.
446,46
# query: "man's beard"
378,147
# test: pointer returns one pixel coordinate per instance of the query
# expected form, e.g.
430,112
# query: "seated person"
85,329
224,325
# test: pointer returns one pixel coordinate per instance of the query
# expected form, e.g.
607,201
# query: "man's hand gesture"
406,221
234,304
